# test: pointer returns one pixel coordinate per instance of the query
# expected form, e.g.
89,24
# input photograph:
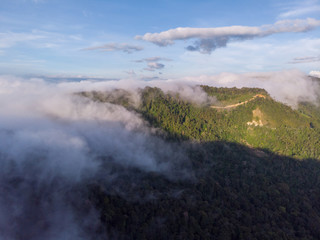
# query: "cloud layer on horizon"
289,87
209,39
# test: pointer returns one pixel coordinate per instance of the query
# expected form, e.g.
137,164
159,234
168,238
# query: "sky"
157,39
47,47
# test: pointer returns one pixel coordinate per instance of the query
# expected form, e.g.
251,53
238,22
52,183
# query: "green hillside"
261,123
227,96
253,171
236,194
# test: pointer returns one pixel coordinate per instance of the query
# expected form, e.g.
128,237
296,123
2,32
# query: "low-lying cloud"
53,143
289,87
314,73
209,39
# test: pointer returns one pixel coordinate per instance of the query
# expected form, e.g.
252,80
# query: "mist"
54,143
289,87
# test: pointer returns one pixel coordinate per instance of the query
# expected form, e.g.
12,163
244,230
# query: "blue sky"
98,38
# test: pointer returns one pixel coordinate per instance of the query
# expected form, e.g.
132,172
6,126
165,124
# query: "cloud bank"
53,143
209,39
289,87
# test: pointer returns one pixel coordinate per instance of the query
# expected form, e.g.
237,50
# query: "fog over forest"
54,141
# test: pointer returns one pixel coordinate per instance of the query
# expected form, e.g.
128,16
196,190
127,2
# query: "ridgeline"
256,170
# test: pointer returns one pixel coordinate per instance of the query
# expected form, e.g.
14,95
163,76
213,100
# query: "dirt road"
238,104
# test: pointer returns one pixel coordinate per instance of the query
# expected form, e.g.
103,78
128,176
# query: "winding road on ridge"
238,104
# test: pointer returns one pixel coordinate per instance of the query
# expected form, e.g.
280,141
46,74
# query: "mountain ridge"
248,182
181,119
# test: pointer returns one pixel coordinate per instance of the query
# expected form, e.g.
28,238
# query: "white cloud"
37,39
152,66
53,143
153,59
305,60
256,55
124,47
153,63
131,73
315,74
300,11
301,8
9,39
289,87
208,39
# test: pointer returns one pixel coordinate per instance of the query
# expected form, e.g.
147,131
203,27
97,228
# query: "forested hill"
255,170
260,123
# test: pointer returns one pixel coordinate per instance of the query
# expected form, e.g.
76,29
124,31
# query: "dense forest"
253,171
